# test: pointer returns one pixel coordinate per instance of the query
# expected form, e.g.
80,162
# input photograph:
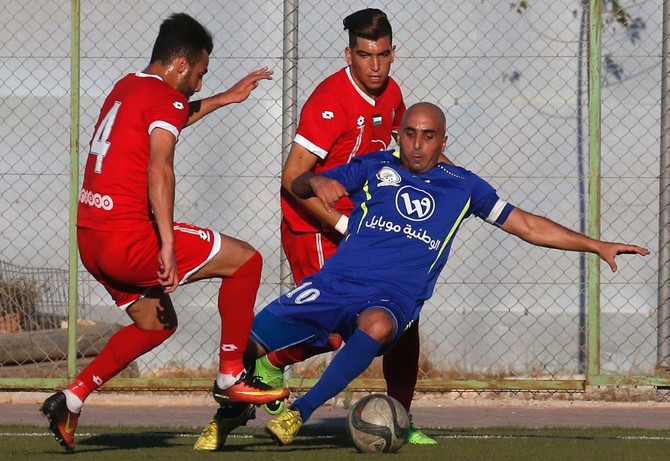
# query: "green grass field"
31,443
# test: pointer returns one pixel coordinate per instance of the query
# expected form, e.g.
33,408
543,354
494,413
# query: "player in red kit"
352,112
127,236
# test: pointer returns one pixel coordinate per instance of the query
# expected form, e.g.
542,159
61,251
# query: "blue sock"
348,363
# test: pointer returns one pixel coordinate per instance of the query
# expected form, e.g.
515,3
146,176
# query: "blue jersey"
403,224
400,234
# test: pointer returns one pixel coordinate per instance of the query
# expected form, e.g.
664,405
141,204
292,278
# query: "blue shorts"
310,312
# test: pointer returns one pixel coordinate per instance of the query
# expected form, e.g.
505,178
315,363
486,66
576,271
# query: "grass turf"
31,443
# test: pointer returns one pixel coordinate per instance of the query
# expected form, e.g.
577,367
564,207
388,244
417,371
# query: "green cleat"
226,419
272,376
284,427
416,437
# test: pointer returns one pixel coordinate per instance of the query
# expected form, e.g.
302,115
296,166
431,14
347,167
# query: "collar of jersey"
142,74
370,100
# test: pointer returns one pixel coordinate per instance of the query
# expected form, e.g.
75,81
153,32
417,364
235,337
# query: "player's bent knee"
377,323
235,258
253,265
234,245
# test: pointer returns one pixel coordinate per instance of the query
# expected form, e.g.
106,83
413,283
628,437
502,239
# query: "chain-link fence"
512,79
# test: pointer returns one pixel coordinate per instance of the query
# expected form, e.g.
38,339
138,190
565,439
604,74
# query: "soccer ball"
378,424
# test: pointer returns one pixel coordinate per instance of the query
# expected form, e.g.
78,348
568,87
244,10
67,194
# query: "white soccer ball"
378,424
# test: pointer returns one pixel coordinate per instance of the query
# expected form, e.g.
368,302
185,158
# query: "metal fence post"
73,263
289,103
663,333
593,268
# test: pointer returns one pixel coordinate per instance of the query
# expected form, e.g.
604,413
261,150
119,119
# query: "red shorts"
307,251
126,263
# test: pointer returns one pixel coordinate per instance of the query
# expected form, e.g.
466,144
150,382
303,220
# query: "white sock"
74,403
225,381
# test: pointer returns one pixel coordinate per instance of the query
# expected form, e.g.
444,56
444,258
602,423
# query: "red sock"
123,347
300,352
401,367
237,297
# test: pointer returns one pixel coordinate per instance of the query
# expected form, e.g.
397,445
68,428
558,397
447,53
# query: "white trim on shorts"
318,245
216,246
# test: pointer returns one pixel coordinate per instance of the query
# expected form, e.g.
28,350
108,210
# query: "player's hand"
609,251
242,89
167,269
327,190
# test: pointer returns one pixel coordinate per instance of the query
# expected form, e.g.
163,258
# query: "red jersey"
337,122
115,193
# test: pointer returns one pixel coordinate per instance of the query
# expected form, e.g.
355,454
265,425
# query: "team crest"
388,177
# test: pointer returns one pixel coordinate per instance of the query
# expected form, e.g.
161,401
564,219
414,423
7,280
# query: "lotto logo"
228,347
94,199
178,105
202,233
327,115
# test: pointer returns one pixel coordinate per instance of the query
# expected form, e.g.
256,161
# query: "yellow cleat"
226,419
284,427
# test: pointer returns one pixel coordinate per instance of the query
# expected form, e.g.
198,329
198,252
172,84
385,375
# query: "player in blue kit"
407,209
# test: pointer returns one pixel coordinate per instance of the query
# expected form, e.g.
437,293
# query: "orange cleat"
249,389
62,422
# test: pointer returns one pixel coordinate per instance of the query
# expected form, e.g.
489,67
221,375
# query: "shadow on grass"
128,441
319,436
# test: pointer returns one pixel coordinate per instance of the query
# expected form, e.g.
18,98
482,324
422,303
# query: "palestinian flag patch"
376,119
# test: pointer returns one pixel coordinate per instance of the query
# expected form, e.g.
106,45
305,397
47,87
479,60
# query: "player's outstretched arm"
327,190
544,232
237,93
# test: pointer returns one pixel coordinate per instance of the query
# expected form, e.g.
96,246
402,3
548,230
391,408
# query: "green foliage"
614,11
619,14
520,7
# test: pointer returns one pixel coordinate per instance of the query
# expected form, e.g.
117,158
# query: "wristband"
342,224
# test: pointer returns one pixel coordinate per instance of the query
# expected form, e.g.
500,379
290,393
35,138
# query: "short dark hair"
370,24
181,35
